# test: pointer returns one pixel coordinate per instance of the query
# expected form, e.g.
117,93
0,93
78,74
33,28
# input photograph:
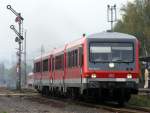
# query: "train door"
80,62
62,73
50,70
37,73
64,87
41,73
62,70
53,71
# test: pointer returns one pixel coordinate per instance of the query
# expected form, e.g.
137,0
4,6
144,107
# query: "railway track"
116,109
111,107
18,94
145,109
108,107
24,92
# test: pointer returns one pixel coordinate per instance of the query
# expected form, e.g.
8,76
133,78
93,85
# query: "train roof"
55,51
113,35
76,43
58,51
44,56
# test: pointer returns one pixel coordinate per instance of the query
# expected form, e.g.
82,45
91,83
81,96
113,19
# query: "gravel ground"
38,104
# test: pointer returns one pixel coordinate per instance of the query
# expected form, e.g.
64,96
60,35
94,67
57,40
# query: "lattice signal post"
111,15
19,19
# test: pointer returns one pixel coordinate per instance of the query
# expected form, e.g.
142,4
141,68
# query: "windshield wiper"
117,60
120,61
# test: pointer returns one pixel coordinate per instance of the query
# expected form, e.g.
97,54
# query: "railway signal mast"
19,19
111,15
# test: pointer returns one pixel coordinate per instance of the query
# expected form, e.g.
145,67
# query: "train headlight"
111,65
129,76
93,76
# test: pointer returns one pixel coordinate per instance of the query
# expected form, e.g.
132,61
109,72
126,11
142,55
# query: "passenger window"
38,67
50,64
45,65
80,56
72,58
59,62
76,58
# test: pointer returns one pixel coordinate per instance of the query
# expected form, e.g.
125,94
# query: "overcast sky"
52,23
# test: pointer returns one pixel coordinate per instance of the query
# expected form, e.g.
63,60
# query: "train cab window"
45,65
37,67
111,52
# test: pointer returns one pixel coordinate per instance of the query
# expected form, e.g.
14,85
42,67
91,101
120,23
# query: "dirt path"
38,104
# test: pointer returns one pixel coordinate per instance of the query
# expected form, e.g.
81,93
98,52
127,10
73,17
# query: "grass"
140,100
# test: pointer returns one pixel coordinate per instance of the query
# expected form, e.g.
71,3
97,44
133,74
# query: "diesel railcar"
102,65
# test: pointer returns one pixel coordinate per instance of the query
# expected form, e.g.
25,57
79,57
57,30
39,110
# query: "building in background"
30,80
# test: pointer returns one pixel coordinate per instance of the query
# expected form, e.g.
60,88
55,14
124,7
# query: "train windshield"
111,52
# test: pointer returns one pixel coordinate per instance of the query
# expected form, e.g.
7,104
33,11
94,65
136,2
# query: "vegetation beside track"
140,100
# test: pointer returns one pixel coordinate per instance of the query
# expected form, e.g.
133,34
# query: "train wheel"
43,91
121,103
73,96
73,93
47,91
121,98
128,96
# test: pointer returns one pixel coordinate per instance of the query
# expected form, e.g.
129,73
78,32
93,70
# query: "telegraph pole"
25,58
111,15
18,39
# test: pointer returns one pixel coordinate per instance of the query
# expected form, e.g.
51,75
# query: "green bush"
140,100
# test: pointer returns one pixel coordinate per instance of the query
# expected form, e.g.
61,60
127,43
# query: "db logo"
111,75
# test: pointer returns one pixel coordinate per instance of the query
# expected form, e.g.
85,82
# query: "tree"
136,21
2,73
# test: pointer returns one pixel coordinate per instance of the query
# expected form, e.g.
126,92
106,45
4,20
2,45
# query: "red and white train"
103,65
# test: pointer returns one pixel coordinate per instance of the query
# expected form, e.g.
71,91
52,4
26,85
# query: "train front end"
111,66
